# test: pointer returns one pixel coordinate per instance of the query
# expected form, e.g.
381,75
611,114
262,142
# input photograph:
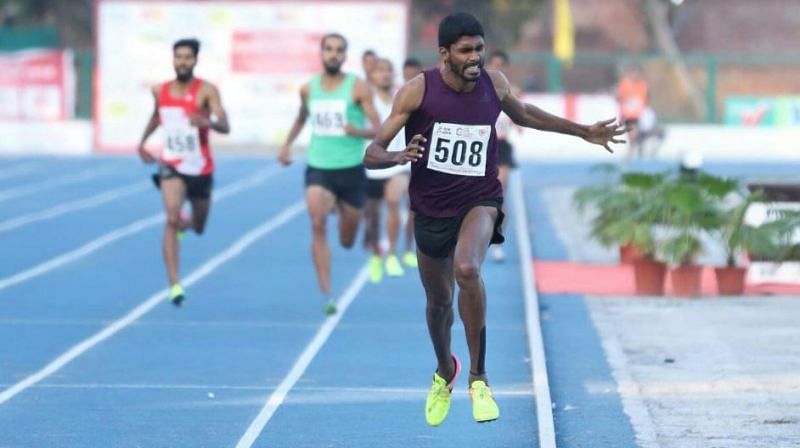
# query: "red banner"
37,85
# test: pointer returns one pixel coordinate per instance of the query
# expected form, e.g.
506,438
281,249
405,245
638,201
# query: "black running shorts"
375,188
347,184
197,187
437,237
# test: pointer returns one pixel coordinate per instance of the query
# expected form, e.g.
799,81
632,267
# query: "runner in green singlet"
338,104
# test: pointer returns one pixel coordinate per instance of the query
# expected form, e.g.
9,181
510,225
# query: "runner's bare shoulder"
500,82
409,97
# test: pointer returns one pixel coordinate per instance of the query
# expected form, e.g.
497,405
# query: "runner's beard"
184,76
332,69
460,70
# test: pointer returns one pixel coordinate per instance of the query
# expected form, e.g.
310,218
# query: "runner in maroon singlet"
449,114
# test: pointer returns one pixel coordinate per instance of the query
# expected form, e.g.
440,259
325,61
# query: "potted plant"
784,232
738,238
693,206
626,213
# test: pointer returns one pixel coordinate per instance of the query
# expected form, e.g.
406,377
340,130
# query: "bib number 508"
458,153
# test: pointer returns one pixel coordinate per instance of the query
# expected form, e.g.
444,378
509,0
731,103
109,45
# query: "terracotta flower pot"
649,277
630,253
730,280
686,280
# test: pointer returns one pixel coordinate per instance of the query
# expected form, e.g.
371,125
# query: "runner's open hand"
605,132
413,151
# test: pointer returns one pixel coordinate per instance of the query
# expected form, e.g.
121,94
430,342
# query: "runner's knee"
467,272
318,225
438,302
347,241
393,203
174,218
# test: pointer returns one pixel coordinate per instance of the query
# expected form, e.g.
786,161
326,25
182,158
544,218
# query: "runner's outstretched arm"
285,156
408,99
601,133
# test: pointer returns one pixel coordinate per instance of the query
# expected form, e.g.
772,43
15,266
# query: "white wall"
72,137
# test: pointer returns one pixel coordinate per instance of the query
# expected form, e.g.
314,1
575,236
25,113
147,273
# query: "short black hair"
412,62
332,35
368,53
192,43
500,54
452,27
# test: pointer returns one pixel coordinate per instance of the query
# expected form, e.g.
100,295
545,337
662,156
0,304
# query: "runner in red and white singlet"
183,109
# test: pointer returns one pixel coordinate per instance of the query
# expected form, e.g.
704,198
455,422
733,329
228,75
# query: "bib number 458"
182,144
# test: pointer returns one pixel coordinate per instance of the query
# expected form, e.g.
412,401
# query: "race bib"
328,117
459,149
181,139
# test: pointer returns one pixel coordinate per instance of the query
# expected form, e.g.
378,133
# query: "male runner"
183,107
498,61
388,183
337,103
449,114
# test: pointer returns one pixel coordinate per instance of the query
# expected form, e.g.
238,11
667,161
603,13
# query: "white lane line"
279,395
203,271
73,206
125,231
541,383
40,186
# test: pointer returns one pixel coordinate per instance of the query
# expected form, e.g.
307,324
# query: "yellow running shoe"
176,294
410,259
437,405
375,268
484,408
393,267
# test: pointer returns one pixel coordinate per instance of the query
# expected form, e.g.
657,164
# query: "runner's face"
333,55
465,57
184,60
382,75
